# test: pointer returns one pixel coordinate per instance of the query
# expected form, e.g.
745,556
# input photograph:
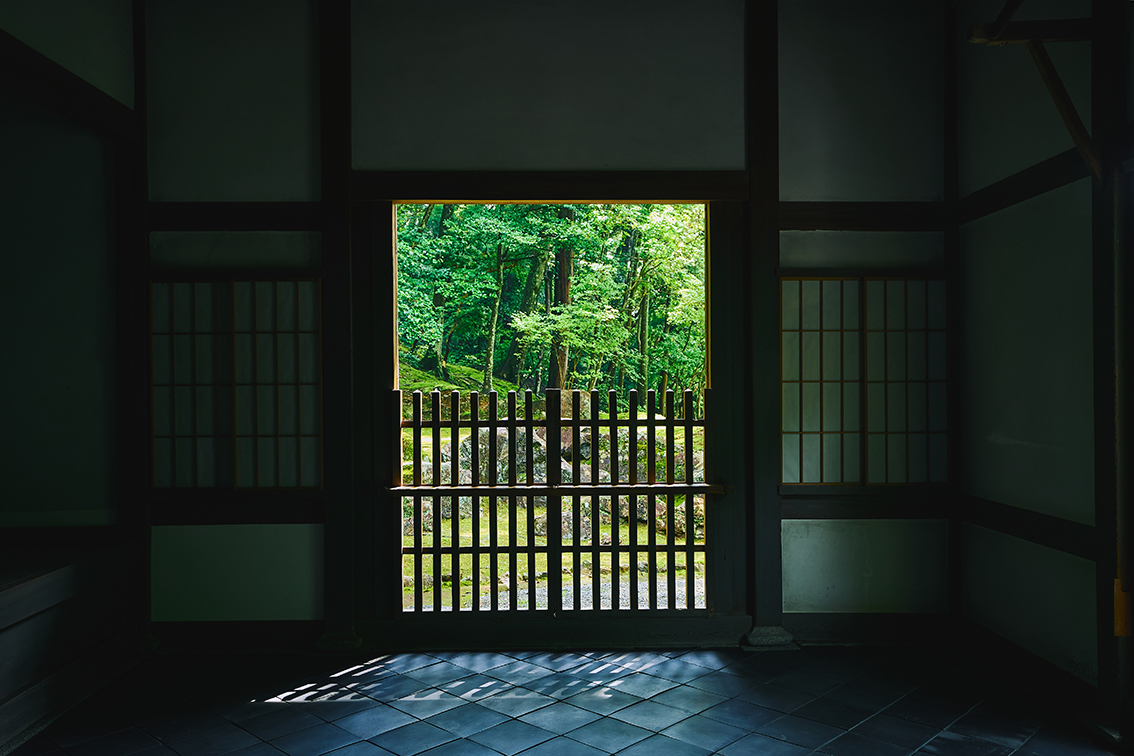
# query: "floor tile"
650,716
831,712
660,745
724,684
481,661
36,746
600,671
329,711
714,658
636,661
216,742
475,687
260,749
774,697
898,731
120,743
239,711
952,744
742,714
426,703
603,700
678,671
642,685
412,739
806,682
692,700
518,672
610,735
562,685
458,748
516,702
1060,741
176,727
511,737
278,723
407,662
560,718
802,732
993,729
701,731
559,662
926,710
466,720
563,746
374,721
869,696
315,741
362,748
853,744
391,688
439,673
759,745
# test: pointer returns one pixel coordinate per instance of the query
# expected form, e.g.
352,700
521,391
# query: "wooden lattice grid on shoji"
236,384
863,381
502,494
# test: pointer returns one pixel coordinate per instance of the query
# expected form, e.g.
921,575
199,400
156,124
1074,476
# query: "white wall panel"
865,565
237,572
515,85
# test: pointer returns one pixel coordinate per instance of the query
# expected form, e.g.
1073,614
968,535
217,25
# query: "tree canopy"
580,296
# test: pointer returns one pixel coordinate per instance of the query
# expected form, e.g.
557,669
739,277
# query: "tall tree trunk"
490,352
644,344
512,362
564,263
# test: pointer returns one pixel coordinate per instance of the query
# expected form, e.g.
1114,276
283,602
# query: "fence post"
554,502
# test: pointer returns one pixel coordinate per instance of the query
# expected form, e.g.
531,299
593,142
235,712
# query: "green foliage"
636,315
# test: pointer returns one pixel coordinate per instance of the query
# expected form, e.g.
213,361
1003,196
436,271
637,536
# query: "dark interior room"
233,526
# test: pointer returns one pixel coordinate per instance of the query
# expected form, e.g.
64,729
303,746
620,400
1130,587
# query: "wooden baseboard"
29,711
238,636
870,628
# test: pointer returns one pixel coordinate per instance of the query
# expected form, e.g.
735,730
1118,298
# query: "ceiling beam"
1066,108
1022,32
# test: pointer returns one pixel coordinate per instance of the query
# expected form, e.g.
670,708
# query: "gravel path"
606,589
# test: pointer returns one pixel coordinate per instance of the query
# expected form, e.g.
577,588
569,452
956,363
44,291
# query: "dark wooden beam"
549,186
45,82
862,216
235,216
1053,173
1066,108
1057,533
865,508
1022,32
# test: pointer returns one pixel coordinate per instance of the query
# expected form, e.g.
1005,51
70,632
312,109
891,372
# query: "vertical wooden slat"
596,519
254,339
235,394
554,511
671,524
529,537
275,314
493,526
615,573
651,500
172,387
690,529
194,463
298,414
576,518
435,429
632,508
513,561
417,538
455,501
474,473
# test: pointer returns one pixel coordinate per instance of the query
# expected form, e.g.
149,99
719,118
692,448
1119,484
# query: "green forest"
521,296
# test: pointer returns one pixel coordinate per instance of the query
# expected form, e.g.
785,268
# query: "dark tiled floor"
832,701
